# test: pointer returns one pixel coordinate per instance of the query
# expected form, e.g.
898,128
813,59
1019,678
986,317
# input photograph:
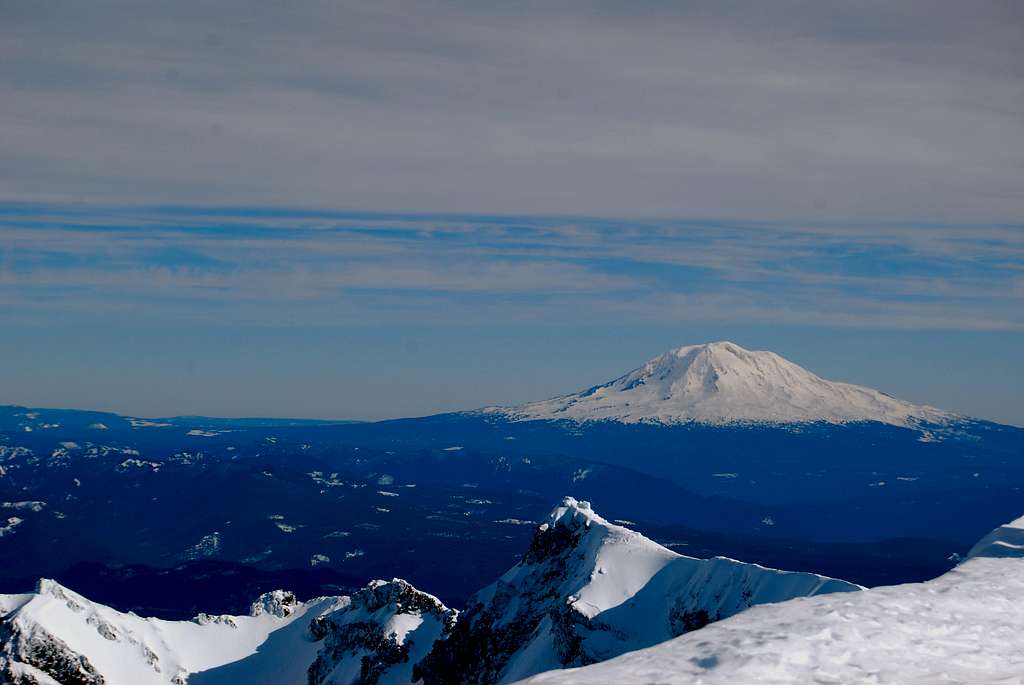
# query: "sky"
369,210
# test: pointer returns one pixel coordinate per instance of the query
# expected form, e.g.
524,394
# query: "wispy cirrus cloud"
200,263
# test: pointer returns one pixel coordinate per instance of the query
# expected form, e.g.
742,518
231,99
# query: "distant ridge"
723,383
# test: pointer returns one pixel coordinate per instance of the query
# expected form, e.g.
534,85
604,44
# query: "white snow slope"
965,627
596,590
722,383
58,625
587,590
57,636
1004,541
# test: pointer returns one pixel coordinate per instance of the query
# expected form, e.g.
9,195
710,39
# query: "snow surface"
7,527
722,383
130,650
964,627
281,642
1005,541
627,589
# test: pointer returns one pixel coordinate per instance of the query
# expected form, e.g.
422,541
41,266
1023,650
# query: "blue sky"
158,311
360,210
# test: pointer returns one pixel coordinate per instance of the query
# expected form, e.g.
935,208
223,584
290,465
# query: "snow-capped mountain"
963,627
55,635
379,635
588,590
723,383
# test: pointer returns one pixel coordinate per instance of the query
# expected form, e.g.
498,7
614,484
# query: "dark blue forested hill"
448,501
856,481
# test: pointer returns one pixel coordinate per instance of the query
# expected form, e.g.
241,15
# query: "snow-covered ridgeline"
1004,541
588,590
963,627
723,383
57,636
380,636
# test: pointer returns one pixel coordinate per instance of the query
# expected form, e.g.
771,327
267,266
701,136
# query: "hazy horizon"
160,312
352,210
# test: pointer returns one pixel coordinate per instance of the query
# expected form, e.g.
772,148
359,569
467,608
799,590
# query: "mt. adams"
722,383
762,445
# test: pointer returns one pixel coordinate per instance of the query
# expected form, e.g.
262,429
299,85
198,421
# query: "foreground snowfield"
965,627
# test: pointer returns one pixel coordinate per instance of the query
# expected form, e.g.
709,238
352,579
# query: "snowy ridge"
963,627
56,635
723,383
1005,541
602,601
588,590
379,635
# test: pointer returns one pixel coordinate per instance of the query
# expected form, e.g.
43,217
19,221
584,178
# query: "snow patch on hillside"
7,527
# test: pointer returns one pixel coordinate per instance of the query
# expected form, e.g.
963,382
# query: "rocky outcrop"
30,654
29,650
279,603
380,636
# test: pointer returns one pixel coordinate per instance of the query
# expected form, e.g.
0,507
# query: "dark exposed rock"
684,621
486,638
31,645
358,630
280,603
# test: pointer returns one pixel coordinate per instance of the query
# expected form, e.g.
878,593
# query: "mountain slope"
379,636
56,635
374,637
723,383
963,627
1004,541
588,590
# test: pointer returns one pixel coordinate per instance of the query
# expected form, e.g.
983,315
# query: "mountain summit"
588,590
963,627
721,383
